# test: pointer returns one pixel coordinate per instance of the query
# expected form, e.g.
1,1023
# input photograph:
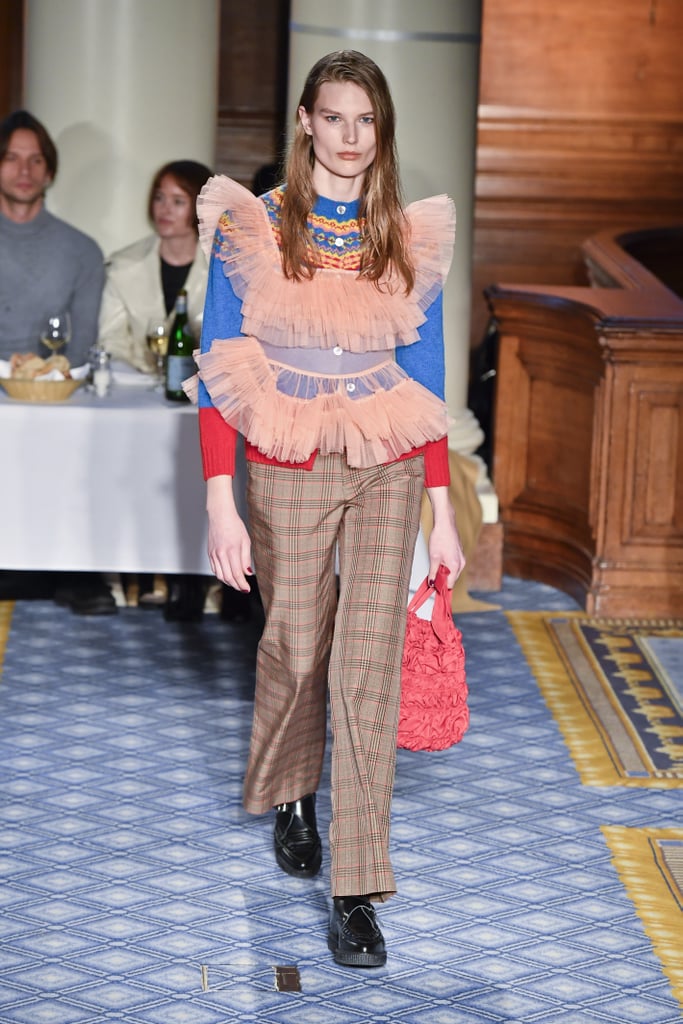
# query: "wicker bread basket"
39,390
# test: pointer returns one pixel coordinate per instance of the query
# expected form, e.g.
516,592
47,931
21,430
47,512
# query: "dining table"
106,484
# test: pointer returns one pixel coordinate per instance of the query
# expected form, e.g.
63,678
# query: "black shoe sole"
82,604
348,958
94,613
93,608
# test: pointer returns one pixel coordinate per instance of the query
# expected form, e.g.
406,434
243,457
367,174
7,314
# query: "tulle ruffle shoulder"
373,418
335,307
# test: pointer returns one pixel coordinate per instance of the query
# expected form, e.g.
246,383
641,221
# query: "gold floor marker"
6,608
287,979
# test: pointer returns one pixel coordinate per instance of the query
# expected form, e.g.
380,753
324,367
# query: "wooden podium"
588,454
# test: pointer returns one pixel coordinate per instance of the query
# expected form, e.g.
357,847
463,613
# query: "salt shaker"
89,382
101,374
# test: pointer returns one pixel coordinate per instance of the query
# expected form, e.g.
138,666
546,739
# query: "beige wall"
122,91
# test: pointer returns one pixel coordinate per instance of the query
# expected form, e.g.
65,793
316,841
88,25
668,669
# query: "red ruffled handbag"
434,713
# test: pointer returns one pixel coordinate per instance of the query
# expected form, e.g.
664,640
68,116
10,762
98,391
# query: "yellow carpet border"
643,876
573,716
6,609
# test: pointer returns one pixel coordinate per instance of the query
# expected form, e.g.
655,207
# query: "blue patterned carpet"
136,891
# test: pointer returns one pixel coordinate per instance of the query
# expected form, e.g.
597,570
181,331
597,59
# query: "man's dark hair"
22,119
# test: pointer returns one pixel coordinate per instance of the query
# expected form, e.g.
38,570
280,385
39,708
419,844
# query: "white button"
339,242
350,386
337,350
341,209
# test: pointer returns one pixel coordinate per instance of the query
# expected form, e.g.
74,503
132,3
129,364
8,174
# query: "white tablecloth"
109,485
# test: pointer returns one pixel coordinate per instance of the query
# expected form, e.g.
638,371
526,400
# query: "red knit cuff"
218,442
437,469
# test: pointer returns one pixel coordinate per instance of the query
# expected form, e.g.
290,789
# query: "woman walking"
322,344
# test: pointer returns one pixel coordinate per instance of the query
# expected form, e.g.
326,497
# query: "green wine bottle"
179,362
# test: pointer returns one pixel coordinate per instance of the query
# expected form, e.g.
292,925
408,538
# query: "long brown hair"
384,253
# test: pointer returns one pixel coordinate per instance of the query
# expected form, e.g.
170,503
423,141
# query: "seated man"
46,267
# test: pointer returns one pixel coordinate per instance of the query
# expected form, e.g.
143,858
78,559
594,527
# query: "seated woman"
142,283
143,280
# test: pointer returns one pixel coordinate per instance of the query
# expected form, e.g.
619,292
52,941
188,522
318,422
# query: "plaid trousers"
351,647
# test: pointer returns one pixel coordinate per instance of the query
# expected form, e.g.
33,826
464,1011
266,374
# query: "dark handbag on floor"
434,713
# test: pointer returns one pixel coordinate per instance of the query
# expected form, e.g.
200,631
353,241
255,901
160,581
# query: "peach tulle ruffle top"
310,365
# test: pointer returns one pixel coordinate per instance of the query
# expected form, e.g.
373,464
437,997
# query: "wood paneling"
589,437
252,87
656,259
244,143
11,42
580,129
614,56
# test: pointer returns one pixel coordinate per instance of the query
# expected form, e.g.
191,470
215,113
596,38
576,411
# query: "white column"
122,86
429,52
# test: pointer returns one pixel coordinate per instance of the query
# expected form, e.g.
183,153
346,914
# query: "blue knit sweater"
423,360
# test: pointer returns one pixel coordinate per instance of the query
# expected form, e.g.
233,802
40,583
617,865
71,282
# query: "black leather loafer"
354,936
297,843
93,604
87,599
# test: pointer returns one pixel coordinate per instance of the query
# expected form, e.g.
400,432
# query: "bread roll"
28,366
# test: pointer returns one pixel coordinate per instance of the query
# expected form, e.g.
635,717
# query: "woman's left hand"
444,545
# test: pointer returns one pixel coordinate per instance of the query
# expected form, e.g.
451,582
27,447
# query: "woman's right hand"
229,546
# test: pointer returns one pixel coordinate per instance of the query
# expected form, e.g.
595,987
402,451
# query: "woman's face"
172,211
342,128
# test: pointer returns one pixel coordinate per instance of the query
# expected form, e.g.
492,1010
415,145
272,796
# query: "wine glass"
157,343
56,331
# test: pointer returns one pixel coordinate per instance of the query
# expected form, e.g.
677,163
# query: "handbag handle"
442,616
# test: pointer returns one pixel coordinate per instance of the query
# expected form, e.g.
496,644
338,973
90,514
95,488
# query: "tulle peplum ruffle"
288,414
335,307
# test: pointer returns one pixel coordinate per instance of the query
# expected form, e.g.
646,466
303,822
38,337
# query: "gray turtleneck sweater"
47,267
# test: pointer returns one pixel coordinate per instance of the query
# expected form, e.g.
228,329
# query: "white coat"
133,295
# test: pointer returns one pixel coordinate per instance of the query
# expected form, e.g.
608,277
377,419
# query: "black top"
172,280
